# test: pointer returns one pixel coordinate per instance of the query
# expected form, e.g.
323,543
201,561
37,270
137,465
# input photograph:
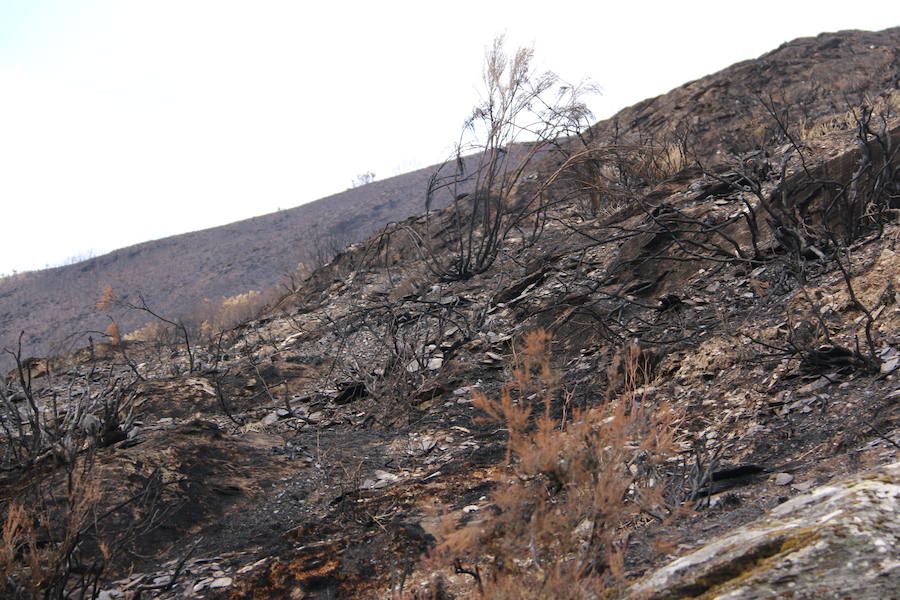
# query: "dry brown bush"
885,103
152,331
571,487
611,173
112,332
107,298
44,538
218,316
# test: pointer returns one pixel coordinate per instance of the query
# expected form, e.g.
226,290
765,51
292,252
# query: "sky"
123,121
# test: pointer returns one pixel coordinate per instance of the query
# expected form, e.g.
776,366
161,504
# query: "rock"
491,358
270,418
300,411
202,584
90,424
497,338
837,541
783,478
815,386
221,582
432,363
584,529
382,479
890,365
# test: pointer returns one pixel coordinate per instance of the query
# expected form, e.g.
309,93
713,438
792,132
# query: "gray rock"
815,386
783,478
837,541
381,480
90,424
221,582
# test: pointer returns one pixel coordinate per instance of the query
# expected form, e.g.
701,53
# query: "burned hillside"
659,359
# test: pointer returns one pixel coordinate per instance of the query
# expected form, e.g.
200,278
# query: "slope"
737,321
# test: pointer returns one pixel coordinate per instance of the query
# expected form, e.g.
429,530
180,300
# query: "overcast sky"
123,121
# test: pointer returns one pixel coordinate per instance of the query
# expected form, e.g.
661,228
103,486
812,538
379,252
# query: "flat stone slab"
840,540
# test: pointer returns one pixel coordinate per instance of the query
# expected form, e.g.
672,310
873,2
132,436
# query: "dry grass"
217,316
210,318
152,331
572,486
611,177
655,164
887,104
44,537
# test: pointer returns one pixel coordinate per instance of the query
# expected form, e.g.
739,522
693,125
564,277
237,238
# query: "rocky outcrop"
725,110
840,540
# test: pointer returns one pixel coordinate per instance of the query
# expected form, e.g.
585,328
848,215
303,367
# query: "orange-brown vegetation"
217,316
44,539
573,483
112,332
107,297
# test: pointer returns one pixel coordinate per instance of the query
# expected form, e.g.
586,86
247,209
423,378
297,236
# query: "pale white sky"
123,121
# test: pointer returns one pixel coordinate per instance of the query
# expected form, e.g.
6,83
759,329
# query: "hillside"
178,272
53,307
808,78
56,307
661,362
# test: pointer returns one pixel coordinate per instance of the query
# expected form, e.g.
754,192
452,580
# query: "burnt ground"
335,498
313,450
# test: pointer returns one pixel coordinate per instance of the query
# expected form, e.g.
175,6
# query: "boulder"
840,540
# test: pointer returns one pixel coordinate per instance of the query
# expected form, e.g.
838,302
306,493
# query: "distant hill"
176,272
815,76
